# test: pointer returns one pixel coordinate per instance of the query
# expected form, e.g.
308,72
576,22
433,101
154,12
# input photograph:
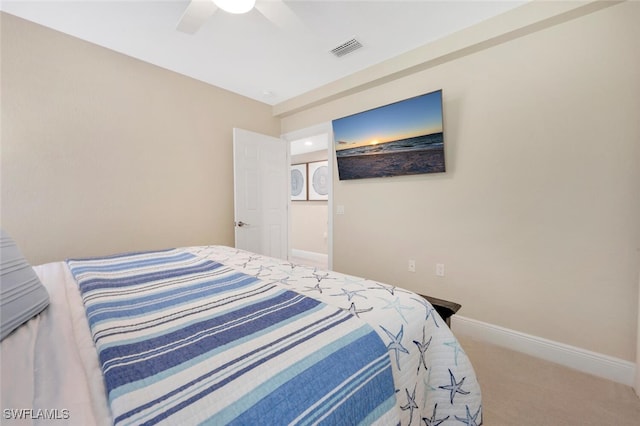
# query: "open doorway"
309,213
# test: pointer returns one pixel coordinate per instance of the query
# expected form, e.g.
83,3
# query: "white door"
261,187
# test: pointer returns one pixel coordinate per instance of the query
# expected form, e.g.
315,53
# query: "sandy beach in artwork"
392,163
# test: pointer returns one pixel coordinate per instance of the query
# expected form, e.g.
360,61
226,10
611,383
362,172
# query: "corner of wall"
594,363
636,385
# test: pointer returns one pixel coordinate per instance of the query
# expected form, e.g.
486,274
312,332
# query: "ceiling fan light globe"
235,6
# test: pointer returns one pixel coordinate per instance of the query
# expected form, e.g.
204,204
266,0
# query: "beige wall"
537,218
103,153
309,226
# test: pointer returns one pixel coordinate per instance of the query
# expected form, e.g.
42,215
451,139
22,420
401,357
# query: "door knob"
241,224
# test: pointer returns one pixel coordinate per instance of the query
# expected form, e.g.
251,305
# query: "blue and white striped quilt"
434,379
184,339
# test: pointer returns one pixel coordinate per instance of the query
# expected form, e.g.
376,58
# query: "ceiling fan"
198,11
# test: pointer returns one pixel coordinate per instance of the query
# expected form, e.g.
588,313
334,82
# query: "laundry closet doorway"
309,213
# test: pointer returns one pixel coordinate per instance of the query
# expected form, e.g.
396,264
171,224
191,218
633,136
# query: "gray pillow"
22,295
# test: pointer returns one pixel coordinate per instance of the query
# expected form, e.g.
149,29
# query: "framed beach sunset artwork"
403,138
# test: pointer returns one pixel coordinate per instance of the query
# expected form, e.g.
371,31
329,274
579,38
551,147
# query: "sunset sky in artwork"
417,116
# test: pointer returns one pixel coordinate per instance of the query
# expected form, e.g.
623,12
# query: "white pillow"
22,295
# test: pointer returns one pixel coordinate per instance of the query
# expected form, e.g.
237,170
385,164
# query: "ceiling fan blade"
195,15
282,16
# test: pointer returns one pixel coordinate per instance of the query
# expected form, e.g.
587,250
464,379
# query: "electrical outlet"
440,269
412,265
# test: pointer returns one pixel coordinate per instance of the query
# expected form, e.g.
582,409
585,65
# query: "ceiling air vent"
346,47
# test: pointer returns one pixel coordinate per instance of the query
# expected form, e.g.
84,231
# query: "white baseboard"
310,255
597,364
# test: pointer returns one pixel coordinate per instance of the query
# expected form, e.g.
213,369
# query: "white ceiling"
249,54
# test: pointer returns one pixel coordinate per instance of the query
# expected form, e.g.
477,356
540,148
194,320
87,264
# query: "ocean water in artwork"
415,155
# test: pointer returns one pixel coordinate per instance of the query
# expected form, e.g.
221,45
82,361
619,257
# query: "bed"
218,335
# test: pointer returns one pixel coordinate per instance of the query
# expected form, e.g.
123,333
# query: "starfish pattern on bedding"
348,279
261,269
430,309
396,343
390,288
291,265
471,420
316,287
456,349
349,293
354,311
284,280
455,387
397,306
427,387
249,260
411,403
434,420
422,347
321,277
205,251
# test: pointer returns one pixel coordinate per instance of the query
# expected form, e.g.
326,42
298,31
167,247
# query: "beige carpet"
518,389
